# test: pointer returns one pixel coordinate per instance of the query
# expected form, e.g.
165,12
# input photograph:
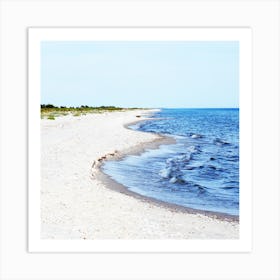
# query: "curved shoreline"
137,150
76,201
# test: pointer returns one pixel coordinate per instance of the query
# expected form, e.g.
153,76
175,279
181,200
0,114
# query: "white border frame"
263,260
242,35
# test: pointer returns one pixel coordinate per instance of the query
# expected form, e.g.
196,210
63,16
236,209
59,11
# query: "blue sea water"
199,171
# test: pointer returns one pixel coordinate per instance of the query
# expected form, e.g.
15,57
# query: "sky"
152,74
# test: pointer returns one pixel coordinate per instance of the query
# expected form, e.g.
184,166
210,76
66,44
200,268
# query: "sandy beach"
77,202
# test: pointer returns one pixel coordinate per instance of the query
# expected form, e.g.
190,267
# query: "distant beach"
77,200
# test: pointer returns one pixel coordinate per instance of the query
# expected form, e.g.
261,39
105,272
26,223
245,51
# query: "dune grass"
51,117
49,111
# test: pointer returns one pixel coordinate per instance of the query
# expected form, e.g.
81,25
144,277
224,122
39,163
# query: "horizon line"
130,107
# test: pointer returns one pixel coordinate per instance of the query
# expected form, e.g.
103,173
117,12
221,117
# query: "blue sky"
159,74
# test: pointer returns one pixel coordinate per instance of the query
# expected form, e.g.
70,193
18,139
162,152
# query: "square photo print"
139,139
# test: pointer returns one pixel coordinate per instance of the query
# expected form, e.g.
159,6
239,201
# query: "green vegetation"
51,117
50,111
76,114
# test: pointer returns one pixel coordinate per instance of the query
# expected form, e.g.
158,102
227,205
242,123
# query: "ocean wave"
193,149
220,142
195,135
230,187
165,173
173,170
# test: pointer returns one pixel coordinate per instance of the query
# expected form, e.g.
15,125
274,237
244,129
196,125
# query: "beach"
79,202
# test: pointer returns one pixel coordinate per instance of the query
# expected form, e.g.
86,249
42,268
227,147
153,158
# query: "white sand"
76,205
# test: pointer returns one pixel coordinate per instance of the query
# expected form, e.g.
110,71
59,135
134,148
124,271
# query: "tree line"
82,107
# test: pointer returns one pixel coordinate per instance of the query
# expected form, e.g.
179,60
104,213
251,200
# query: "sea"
199,171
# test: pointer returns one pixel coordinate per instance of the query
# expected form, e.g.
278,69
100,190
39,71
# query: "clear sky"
159,74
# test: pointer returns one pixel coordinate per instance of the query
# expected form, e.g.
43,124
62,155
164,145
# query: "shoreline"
137,150
115,186
76,202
